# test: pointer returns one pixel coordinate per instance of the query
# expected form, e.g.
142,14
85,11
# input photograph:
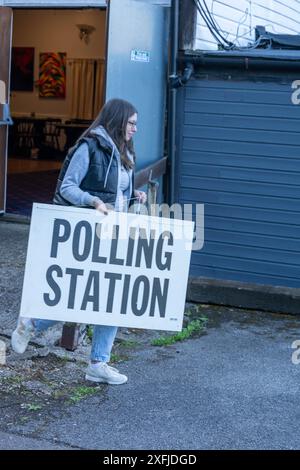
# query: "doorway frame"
36,5
54,4
5,66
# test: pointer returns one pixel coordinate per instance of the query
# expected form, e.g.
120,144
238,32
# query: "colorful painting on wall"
22,63
52,78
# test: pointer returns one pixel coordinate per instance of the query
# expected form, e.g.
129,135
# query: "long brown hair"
114,117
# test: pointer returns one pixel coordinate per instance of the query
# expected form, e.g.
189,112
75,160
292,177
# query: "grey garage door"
238,152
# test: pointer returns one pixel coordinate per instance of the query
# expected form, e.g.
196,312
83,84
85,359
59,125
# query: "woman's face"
131,127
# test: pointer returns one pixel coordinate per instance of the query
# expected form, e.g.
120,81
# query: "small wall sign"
140,56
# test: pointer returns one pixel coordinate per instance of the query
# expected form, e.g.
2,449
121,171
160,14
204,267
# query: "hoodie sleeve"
77,170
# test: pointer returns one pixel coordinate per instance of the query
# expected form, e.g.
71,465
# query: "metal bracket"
152,195
5,118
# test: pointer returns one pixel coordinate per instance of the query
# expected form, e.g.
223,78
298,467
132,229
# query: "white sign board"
120,269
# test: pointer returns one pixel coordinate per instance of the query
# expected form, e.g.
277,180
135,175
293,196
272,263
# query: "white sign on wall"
140,56
120,269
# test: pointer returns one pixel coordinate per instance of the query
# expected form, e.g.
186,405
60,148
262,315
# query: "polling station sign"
120,269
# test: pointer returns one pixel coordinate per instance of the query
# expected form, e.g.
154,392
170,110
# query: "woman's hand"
141,196
100,206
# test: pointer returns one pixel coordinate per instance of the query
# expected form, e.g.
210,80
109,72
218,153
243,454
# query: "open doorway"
57,87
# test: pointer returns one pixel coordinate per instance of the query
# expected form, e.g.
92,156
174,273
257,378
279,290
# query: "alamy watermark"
296,94
296,353
169,216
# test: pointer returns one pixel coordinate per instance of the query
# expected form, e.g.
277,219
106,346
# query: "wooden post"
5,54
71,334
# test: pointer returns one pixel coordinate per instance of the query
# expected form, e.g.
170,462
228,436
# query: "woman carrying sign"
97,172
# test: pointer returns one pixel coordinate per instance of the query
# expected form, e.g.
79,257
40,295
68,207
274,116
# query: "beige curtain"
99,86
82,76
87,79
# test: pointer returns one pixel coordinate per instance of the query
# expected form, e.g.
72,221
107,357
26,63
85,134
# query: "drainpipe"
180,80
172,99
175,81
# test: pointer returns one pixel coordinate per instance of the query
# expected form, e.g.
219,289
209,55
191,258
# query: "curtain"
99,86
87,82
2,92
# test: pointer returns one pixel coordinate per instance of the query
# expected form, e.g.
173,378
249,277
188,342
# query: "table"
26,134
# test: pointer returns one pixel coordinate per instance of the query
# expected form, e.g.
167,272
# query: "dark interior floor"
25,188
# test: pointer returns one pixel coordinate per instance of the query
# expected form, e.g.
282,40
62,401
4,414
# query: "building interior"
57,84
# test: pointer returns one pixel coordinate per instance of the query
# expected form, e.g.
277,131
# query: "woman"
97,172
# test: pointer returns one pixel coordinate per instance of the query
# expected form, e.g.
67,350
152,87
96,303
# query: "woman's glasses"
132,124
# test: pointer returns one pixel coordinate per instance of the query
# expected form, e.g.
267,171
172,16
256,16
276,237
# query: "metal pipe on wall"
172,98
243,60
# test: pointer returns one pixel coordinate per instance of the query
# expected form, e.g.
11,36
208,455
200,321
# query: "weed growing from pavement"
63,359
118,358
193,328
89,332
79,393
31,406
13,381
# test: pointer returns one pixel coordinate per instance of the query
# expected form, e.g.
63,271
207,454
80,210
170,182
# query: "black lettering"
125,294
92,285
87,240
114,246
56,237
96,247
168,254
159,296
146,247
131,242
54,286
74,273
135,294
113,277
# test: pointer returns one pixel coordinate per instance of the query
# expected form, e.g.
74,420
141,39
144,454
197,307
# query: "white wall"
237,20
54,31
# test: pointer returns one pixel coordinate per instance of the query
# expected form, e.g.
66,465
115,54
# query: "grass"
89,332
16,380
118,358
24,419
59,394
31,406
190,330
82,392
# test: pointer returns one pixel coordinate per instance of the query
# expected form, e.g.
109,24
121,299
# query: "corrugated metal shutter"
239,154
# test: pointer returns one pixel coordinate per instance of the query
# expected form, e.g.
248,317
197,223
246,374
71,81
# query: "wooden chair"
51,134
25,136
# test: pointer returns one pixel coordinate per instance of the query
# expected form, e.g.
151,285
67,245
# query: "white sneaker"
102,372
21,335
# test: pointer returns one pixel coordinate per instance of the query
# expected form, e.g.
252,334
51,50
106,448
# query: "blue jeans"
102,342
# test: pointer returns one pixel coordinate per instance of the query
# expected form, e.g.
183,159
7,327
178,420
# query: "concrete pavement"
232,387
